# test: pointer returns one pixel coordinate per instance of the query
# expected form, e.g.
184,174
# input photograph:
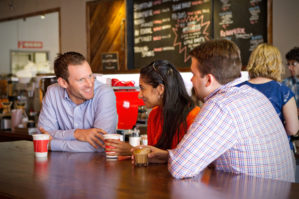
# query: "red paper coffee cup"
110,154
40,142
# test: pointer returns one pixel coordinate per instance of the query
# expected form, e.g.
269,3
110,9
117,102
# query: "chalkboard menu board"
244,22
169,29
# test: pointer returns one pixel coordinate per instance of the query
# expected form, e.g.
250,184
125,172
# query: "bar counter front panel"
90,175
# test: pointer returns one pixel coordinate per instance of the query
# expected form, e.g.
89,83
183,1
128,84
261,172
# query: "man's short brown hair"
221,58
64,60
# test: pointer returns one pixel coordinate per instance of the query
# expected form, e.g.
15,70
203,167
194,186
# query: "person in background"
237,129
173,111
293,81
265,69
78,109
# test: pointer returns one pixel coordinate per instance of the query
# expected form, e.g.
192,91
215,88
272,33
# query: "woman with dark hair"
173,111
162,88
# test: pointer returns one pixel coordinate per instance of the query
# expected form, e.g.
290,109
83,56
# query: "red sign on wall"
30,44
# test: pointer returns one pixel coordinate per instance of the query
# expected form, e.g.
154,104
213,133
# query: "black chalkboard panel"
169,29
244,22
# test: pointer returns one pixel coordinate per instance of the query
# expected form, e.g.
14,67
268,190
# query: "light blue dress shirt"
61,117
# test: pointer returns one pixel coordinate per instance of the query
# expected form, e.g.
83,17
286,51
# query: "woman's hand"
119,147
156,155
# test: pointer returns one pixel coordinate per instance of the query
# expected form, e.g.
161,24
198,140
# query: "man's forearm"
73,146
63,134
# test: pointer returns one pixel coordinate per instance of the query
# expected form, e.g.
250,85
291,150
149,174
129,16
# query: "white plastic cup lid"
41,137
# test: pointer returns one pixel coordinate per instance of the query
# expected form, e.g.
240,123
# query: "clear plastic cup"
141,156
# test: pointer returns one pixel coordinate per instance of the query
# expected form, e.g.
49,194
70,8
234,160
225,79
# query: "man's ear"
62,82
210,79
212,82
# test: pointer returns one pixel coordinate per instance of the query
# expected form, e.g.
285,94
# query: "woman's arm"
289,111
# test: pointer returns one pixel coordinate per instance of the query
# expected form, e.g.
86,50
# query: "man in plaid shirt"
237,129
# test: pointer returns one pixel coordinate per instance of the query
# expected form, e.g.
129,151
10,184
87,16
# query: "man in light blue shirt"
78,110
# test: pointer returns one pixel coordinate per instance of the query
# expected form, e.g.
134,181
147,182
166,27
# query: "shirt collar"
66,95
225,86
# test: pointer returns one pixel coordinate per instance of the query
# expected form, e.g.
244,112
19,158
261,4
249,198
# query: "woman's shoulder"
155,111
194,111
192,115
281,87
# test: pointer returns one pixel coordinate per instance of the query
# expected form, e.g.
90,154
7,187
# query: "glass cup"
141,156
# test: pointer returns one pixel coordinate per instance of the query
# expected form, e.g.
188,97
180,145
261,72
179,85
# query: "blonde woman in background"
265,69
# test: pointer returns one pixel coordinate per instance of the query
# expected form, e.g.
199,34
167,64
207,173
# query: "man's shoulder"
54,88
237,95
102,89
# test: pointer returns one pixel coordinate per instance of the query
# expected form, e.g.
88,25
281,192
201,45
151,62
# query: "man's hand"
93,136
119,147
43,131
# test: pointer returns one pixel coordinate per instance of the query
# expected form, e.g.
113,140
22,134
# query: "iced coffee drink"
140,156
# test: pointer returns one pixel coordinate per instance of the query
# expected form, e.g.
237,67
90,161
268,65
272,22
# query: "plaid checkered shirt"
293,84
238,131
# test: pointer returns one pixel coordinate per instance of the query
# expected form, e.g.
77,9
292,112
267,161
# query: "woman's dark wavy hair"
176,101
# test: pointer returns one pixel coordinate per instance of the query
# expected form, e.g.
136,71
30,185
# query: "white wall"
72,18
285,26
30,29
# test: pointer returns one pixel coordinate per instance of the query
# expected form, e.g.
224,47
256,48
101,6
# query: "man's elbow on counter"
180,173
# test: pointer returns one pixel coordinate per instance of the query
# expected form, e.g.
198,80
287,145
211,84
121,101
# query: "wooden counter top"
90,175
18,134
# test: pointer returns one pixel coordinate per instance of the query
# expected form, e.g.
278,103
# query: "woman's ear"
62,82
160,89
